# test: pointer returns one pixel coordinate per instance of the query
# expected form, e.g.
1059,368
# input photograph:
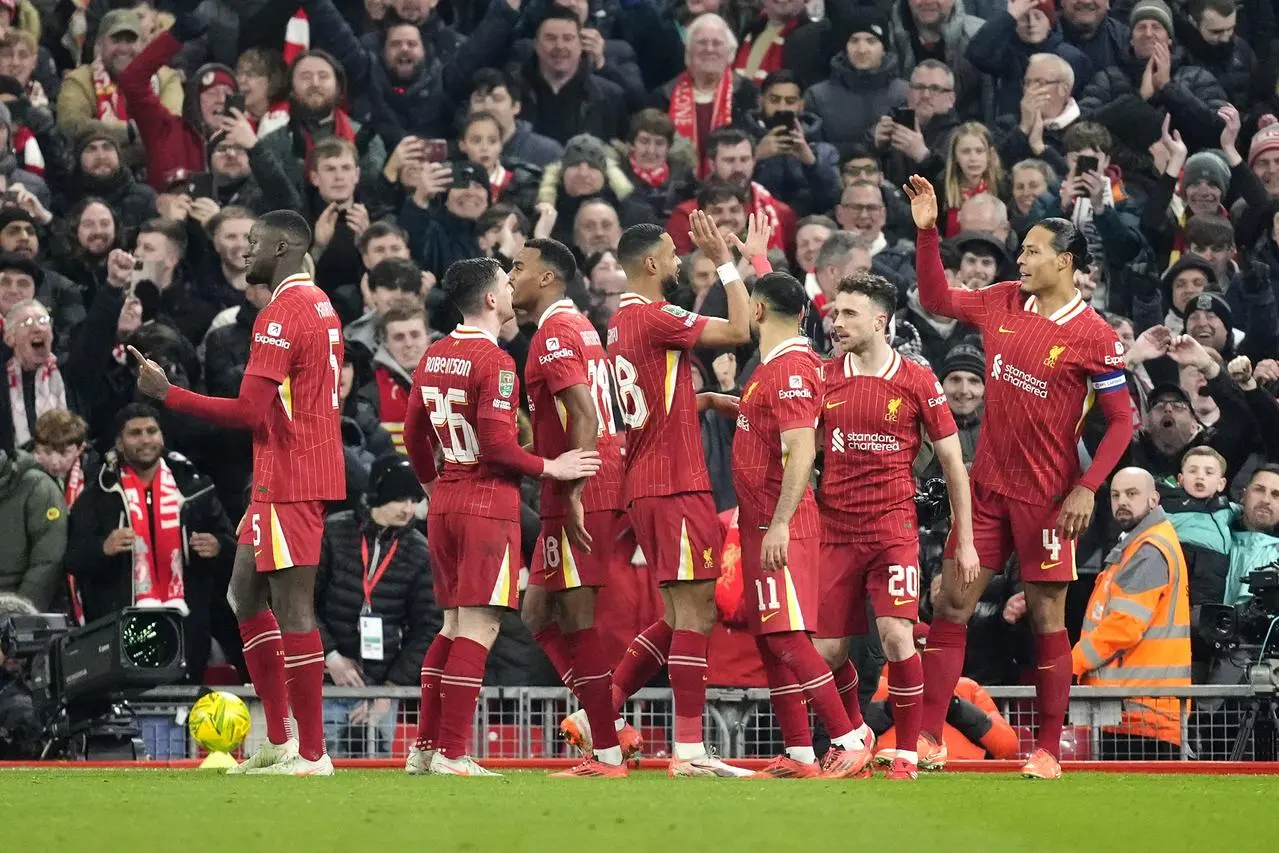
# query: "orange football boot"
1041,765
785,767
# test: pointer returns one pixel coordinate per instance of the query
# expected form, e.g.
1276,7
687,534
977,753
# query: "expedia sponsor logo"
870,442
743,424
554,354
259,338
934,402
792,393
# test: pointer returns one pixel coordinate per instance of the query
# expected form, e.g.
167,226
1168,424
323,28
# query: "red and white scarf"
772,59
158,560
51,395
655,178
297,36
30,157
762,205
75,483
499,180
683,112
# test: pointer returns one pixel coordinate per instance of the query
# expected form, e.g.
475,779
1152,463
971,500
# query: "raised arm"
935,293
736,330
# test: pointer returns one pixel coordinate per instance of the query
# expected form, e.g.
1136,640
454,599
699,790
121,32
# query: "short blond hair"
1204,450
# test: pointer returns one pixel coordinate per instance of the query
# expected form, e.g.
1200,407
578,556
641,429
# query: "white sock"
619,724
912,757
850,742
689,751
863,732
612,755
802,754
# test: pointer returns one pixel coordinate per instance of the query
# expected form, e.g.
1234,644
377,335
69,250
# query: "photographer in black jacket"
374,604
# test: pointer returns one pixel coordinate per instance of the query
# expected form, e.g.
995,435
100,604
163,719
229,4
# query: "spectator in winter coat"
510,181
410,88
941,30
1102,37
1046,110
793,162
34,382
93,91
862,211
162,247
402,341
442,234
390,282
588,173
709,93
1190,94
659,174
919,149
1004,46
497,93
863,85
562,96
147,495
1209,35
33,531
374,605
100,170
963,378
20,240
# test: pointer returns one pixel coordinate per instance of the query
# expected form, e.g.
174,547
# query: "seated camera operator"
19,730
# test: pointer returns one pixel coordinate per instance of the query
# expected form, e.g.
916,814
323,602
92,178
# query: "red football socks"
640,662
264,657
557,652
943,659
304,680
846,684
796,651
1052,688
428,720
593,686
906,693
787,699
459,688
687,668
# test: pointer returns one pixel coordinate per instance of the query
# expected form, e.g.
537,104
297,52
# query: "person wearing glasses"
1036,126
918,146
35,383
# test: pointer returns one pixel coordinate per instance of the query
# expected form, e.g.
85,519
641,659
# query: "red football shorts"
784,600
887,573
475,561
558,565
1003,526
679,535
283,534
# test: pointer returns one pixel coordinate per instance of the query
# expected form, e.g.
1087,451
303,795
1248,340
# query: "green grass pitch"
145,810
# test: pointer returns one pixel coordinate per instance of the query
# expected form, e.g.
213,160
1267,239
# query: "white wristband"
728,273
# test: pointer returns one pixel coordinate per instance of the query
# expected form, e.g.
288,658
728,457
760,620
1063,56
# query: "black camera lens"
150,641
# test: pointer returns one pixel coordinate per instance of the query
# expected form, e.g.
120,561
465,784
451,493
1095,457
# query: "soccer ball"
219,721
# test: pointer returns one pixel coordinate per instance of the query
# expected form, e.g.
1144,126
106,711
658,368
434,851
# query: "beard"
1127,522
670,284
257,274
306,113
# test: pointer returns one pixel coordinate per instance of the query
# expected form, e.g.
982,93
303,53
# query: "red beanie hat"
1049,8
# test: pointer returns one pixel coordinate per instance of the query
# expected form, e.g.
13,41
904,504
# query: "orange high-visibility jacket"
1137,629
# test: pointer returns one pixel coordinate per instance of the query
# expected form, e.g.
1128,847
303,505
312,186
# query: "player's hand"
759,233
206,545
578,536
726,404
1015,608
923,202
706,237
573,465
772,553
344,671
152,380
967,563
119,541
1076,512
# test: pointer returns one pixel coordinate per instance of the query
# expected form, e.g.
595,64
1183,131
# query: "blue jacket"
1203,526
1249,551
996,50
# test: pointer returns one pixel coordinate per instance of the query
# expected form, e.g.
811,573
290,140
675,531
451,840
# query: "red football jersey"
297,342
462,378
871,425
648,348
784,393
1042,375
566,351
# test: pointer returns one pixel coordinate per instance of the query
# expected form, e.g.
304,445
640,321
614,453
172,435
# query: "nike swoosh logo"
898,602
1004,331
907,705
1046,566
1050,666
836,405
258,552
768,616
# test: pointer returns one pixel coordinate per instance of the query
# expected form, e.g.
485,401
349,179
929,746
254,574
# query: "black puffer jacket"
1233,64
1192,96
404,598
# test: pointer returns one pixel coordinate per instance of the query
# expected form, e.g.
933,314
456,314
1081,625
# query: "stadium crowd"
140,140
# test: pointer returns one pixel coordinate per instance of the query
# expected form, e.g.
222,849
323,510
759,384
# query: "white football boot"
418,762
298,766
268,754
464,766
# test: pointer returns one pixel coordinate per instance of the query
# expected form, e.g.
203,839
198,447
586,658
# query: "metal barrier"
1210,722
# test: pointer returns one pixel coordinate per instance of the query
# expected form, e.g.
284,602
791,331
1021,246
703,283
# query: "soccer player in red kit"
571,406
464,400
667,488
289,400
1050,357
773,454
877,405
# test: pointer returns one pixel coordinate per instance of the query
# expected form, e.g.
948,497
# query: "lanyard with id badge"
370,625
